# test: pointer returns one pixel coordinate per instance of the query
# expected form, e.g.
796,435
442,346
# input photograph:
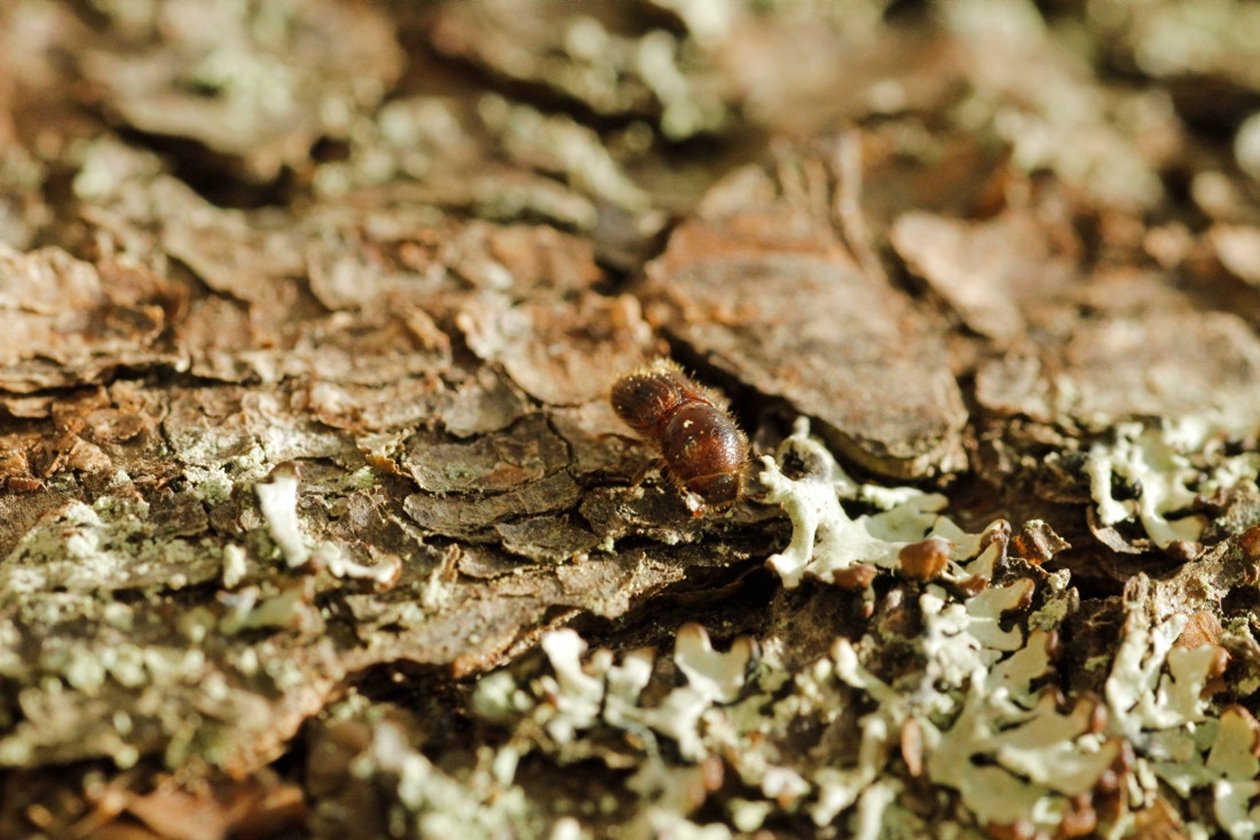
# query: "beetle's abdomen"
705,452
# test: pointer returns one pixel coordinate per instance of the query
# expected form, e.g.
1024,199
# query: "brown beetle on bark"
703,450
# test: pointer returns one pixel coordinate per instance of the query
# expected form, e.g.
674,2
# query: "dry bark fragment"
602,59
547,537
485,403
489,464
760,288
801,98
987,271
67,322
1101,371
456,517
601,337
257,93
598,441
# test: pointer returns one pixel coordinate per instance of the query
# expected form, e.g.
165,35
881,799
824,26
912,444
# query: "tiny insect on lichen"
703,450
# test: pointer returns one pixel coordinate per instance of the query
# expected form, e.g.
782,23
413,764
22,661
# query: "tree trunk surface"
316,519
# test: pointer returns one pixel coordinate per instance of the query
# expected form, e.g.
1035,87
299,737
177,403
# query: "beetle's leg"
642,473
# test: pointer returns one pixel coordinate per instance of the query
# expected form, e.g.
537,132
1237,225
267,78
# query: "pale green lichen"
1037,756
1061,119
247,610
708,21
1060,601
105,162
1247,146
972,696
485,804
827,540
197,624
364,478
82,669
1176,38
578,694
716,676
277,500
234,565
558,144
999,747
659,60
1159,464
211,485
434,592
109,545
1155,695
383,574
498,699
